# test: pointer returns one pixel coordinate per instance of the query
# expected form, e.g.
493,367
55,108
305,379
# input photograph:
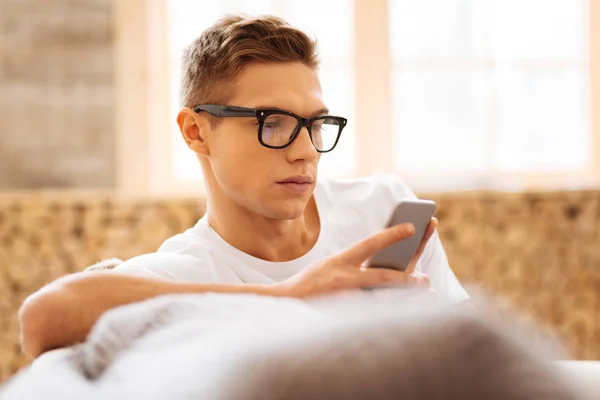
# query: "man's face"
258,178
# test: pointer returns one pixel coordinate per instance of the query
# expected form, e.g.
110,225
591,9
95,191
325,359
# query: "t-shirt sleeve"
168,266
434,263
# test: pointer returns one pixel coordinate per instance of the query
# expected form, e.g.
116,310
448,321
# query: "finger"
428,233
421,279
375,243
430,229
370,278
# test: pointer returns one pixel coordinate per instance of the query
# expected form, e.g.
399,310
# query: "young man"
255,117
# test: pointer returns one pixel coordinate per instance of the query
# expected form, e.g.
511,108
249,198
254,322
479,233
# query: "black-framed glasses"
277,129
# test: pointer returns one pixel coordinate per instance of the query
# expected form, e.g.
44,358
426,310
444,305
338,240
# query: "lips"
297,179
297,184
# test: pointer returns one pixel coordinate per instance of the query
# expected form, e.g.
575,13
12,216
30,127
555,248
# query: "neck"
265,238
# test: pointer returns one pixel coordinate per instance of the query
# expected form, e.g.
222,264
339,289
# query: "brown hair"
220,53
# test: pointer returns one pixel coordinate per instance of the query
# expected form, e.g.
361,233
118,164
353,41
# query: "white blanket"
378,345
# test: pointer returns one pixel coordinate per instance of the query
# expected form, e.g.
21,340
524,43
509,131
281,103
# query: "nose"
302,148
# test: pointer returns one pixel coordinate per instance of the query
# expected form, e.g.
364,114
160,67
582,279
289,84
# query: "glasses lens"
324,133
278,129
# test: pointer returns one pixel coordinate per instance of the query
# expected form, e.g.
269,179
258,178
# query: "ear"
194,128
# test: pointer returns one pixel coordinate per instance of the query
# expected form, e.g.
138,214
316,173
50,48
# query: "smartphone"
398,255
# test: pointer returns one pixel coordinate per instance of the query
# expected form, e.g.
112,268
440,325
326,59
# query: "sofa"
537,251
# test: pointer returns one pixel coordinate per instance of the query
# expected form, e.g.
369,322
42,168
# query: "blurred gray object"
399,344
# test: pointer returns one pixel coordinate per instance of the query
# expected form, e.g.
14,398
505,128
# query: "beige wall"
56,94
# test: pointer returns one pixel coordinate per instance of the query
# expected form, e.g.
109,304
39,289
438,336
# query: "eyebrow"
321,111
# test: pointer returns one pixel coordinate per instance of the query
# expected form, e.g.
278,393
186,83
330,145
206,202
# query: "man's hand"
347,270
420,277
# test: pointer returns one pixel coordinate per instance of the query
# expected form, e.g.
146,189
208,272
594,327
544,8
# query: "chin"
285,207
291,210
288,214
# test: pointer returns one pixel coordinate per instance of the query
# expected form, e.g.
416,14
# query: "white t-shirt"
350,210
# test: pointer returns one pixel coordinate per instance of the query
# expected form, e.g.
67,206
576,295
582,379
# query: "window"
483,88
329,21
449,94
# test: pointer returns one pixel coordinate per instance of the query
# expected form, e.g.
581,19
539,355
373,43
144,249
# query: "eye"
317,125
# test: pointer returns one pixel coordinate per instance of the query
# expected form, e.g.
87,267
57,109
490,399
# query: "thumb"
376,242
